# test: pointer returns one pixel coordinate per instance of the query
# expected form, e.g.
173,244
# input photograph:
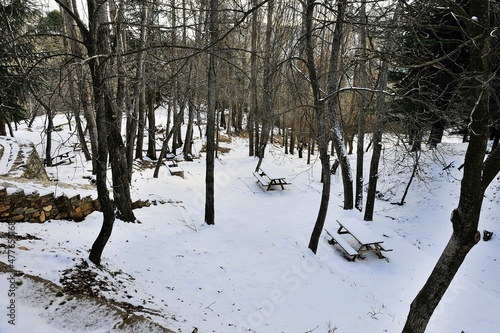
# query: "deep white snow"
252,270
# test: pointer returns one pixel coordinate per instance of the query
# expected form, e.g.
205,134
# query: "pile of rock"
33,207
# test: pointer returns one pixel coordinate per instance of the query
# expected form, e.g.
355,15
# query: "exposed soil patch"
18,237
85,280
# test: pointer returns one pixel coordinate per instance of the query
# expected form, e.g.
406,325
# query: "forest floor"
252,270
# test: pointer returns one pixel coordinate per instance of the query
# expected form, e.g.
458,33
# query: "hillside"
252,271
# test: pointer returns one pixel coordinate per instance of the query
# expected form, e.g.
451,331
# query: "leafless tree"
480,22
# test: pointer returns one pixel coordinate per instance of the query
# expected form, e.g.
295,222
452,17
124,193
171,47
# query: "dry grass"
222,150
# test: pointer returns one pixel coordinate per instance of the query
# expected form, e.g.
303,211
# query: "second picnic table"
270,177
366,239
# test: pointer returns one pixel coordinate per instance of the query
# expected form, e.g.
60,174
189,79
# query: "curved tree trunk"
108,130
101,177
323,124
476,178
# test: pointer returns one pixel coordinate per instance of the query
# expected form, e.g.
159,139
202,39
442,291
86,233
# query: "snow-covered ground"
252,270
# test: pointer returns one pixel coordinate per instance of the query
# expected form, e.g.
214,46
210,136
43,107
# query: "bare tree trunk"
49,128
333,81
361,109
75,106
151,125
3,131
211,112
188,139
120,48
191,98
252,113
381,105
90,118
164,148
476,177
268,95
102,104
413,173
285,139
71,26
97,40
323,124
139,119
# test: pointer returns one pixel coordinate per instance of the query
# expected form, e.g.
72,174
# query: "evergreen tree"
431,66
16,55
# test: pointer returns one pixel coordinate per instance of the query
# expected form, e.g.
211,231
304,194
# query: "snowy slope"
252,271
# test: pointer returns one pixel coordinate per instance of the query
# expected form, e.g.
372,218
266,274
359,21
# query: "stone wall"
33,207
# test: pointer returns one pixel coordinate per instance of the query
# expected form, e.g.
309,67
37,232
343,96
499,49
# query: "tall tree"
110,143
333,84
324,114
479,22
322,119
361,74
17,55
211,112
380,105
136,117
268,95
78,85
253,111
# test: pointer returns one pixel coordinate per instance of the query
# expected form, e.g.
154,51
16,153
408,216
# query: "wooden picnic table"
270,177
366,240
61,158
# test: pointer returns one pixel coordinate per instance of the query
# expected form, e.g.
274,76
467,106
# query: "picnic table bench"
61,158
366,240
270,177
174,169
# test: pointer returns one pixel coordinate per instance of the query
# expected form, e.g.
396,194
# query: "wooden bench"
261,179
62,158
174,169
269,178
368,241
351,252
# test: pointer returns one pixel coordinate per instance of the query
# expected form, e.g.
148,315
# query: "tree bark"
96,16
333,82
97,41
211,121
164,148
361,109
72,26
252,112
322,121
137,123
268,95
381,105
151,153
477,176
